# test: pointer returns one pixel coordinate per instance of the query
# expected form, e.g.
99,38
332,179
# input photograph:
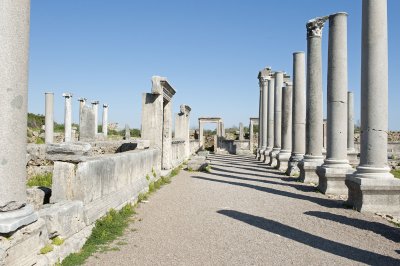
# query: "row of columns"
370,187
49,116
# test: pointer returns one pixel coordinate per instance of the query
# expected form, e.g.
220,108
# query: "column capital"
95,102
315,26
185,109
82,99
105,105
67,95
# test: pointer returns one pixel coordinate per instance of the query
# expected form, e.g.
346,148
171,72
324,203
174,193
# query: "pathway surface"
245,213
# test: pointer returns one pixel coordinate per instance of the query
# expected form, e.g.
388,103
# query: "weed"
142,197
39,141
151,187
154,172
44,180
46,249
105,231
147,177
208,169
396,173
58,241
122,243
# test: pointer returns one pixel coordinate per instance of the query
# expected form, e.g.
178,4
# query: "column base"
266,155
352,156
332,178
273,162
373,192
293,169
12,220
308,169
283,160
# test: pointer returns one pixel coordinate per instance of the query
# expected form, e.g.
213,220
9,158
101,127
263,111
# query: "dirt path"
245,213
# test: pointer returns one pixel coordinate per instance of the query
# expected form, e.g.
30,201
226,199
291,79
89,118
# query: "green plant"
154,172
106,230
396,173
58,241
142,197
44,180
39,141
147,177
208,169
46,249
151,187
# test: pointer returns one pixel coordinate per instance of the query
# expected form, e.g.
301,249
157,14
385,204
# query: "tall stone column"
49,117
263,77
351,151
95,106
251,133
285,152
127,132
82,103
324,136
270,116
68,117
14,55
259,146
105,120
201,135
241,131
332,173
372,188
313,157
298,113
277,119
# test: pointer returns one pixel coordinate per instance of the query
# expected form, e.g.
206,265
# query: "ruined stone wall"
178,153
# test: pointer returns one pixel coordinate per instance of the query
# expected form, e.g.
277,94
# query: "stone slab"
12,220
68,152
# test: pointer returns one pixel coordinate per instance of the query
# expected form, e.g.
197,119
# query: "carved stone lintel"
160,86
315,26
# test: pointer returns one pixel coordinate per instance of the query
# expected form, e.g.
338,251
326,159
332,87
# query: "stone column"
14,55
277,119
263,77
82,103
68,117
298,113
105,120
351,151
372,188
201,135
49,118
127,132
251,135
313,157
95,106
332,173
258,154
241,131
285,152
270,117
324,136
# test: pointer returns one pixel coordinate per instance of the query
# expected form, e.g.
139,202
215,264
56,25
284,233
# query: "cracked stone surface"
245,213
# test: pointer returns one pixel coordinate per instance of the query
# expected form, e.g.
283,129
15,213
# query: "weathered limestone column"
241,131
68,117
82,103
277,119
351,151
258,153
263,77
201,135
313,157
127,132
284,154
372,188
49,117
14,55
298,113
182,127
324,136
270,117
332,173
95,106
105,120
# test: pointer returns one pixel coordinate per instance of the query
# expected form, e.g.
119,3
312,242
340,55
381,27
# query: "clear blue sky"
210,51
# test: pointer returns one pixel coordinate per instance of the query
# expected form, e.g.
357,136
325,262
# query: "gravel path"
245,213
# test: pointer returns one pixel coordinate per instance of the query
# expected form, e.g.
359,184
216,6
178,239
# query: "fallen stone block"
68,152
198,163
203,153
37,196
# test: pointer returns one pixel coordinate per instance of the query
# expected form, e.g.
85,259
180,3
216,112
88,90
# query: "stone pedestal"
277,120
298,113
49,118
285,152
14,55
372,188
314,113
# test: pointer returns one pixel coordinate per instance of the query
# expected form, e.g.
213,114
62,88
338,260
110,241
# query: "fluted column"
270,117
49,117
263,77
68,117
105,120
82,103
284,154
332,173
277,119
372,188
258,154
14,55
298,113
351,151
95,106
313,157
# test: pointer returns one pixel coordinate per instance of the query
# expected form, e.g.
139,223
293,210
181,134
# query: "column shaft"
264,123
68,117
270,114
350,121
105,120
49,117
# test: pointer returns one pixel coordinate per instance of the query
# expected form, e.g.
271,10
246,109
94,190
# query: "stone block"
12,220
87,130
64,218
203,153
308,170
68,152
283,161
64,181
332,180
37,196
198,163
273,162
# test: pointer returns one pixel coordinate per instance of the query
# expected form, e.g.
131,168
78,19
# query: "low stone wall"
194,146
240,147
178,152
104,182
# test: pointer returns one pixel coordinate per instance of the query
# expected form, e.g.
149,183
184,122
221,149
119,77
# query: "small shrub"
154,172
147,177
58,241
39,141
396,173
46,249
44,180
151,187
175,171
142,197
208,169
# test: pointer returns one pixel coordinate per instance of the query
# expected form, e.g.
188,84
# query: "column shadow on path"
384,230
313,241
320,201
